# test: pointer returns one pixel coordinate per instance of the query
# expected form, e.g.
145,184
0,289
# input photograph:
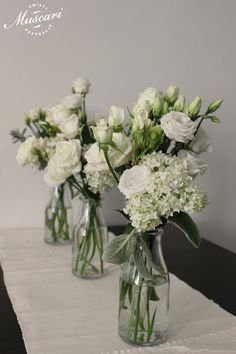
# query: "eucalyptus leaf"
119,249
186,224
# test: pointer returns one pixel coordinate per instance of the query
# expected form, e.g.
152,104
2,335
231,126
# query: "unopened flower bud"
165,107
27,120
103,134
194,107
214,105
171,94
157,106
180,104
155,135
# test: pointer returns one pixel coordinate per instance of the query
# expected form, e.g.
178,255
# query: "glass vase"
58,217
89,240
144,300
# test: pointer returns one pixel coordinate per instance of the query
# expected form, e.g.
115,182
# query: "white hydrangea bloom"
100,181
169,190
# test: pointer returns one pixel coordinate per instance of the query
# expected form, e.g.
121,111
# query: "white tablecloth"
60,314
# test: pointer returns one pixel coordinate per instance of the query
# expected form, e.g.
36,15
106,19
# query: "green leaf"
119,249
214,119
87,135
148,255
186,224
213,106
139,262
153,295
150,325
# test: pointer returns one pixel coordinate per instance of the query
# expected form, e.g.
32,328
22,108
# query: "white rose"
95,159
201,142
102,133
72,101
24,154
81,86
116,116
178,126
134,180
64,163
148,95
121,155
58,114
196,166
70,126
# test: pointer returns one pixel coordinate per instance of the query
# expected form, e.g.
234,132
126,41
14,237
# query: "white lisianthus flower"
102,133
195,165
178,126
70,126
25,155
72,101
148,95
201,142
121,155
134,180
34,114
81,86
140,122
58,114
64,163
141,107
95,156
116,116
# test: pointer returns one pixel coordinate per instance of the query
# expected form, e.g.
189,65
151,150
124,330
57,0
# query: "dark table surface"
209,269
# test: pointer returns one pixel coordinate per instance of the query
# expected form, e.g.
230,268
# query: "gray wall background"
122,47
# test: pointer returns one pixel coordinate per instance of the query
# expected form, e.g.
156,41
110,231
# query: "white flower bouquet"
58,141
167,138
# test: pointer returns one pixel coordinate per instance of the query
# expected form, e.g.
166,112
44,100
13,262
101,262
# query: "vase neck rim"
156,233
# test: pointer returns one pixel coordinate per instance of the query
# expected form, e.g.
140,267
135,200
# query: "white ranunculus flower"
134,180
121,155
72,101
58,114
81,86
195,165
24,154
70,126
116,116
201,142
148,95
64,163
178,126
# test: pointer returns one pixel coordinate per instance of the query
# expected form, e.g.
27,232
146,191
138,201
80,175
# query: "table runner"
60,314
